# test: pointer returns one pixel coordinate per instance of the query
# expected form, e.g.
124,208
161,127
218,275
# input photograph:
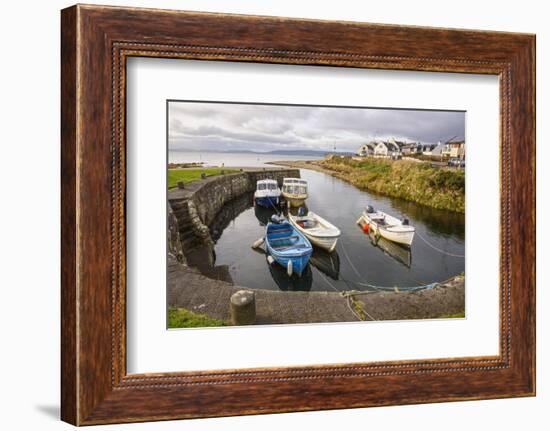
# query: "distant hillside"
312,153
306,153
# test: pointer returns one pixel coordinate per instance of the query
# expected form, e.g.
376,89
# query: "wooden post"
243,308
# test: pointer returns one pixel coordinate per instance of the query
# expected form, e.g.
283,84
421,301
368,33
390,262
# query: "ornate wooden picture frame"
96,42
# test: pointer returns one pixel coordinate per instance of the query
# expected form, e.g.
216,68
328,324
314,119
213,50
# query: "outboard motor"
405,222
369,209
301,212
276,219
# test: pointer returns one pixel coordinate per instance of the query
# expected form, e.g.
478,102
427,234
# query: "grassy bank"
182,318
190,175
436,187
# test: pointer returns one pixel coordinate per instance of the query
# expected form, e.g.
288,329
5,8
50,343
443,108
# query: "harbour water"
249,160
359,261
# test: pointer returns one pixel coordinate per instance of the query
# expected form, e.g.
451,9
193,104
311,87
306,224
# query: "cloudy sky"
234,127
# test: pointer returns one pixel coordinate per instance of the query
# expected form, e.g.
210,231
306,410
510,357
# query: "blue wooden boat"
288,247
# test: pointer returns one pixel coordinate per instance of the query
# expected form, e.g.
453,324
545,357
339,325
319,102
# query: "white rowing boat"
319,231
387,226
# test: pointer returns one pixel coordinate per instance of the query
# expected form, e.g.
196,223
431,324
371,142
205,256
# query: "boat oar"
258,243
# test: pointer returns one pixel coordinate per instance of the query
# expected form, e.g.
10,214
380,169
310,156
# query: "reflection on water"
263,214
293,283
441,222
358,257
400,253
327,263
228,214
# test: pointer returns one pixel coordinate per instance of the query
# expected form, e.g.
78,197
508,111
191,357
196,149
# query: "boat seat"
285,240
279,231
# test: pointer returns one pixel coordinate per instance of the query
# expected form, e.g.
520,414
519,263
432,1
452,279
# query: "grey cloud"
219,126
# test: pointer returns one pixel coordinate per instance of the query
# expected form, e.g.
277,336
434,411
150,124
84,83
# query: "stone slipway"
189,289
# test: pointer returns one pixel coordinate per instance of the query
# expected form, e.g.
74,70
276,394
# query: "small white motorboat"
267,193
387,226
295,191
319,231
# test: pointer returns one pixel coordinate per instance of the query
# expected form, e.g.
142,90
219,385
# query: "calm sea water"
231,159
358,260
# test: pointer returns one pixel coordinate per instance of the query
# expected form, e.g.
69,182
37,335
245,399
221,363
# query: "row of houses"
393,148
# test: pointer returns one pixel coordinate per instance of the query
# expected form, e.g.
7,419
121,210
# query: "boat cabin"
294,186
266,185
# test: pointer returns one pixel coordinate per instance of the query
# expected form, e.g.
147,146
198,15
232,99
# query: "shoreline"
353,176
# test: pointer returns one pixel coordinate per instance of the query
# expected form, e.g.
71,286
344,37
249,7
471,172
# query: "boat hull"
286,244
328,244
295,202
267,201
325,238
401,235
405,238
299,262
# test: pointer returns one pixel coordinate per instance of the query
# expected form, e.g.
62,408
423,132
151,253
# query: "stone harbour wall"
195,207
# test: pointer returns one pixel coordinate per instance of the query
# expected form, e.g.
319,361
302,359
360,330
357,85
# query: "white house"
456,148
366,149
438,150
387,149
411,148
428,149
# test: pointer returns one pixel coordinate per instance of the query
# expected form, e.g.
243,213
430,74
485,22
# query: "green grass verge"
182,318
190,175
442,188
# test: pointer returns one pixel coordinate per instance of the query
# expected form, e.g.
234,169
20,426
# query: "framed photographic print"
258,208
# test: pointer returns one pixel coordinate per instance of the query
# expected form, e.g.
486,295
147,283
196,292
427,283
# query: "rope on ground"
352,310
397,289
349,297
438,249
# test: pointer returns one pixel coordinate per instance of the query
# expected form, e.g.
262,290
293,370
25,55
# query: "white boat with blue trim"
267,193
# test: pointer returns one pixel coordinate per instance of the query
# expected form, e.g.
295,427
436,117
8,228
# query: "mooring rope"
396,288
328,282
349,260
438,249
350,306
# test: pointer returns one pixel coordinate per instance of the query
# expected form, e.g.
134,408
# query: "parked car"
456,163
